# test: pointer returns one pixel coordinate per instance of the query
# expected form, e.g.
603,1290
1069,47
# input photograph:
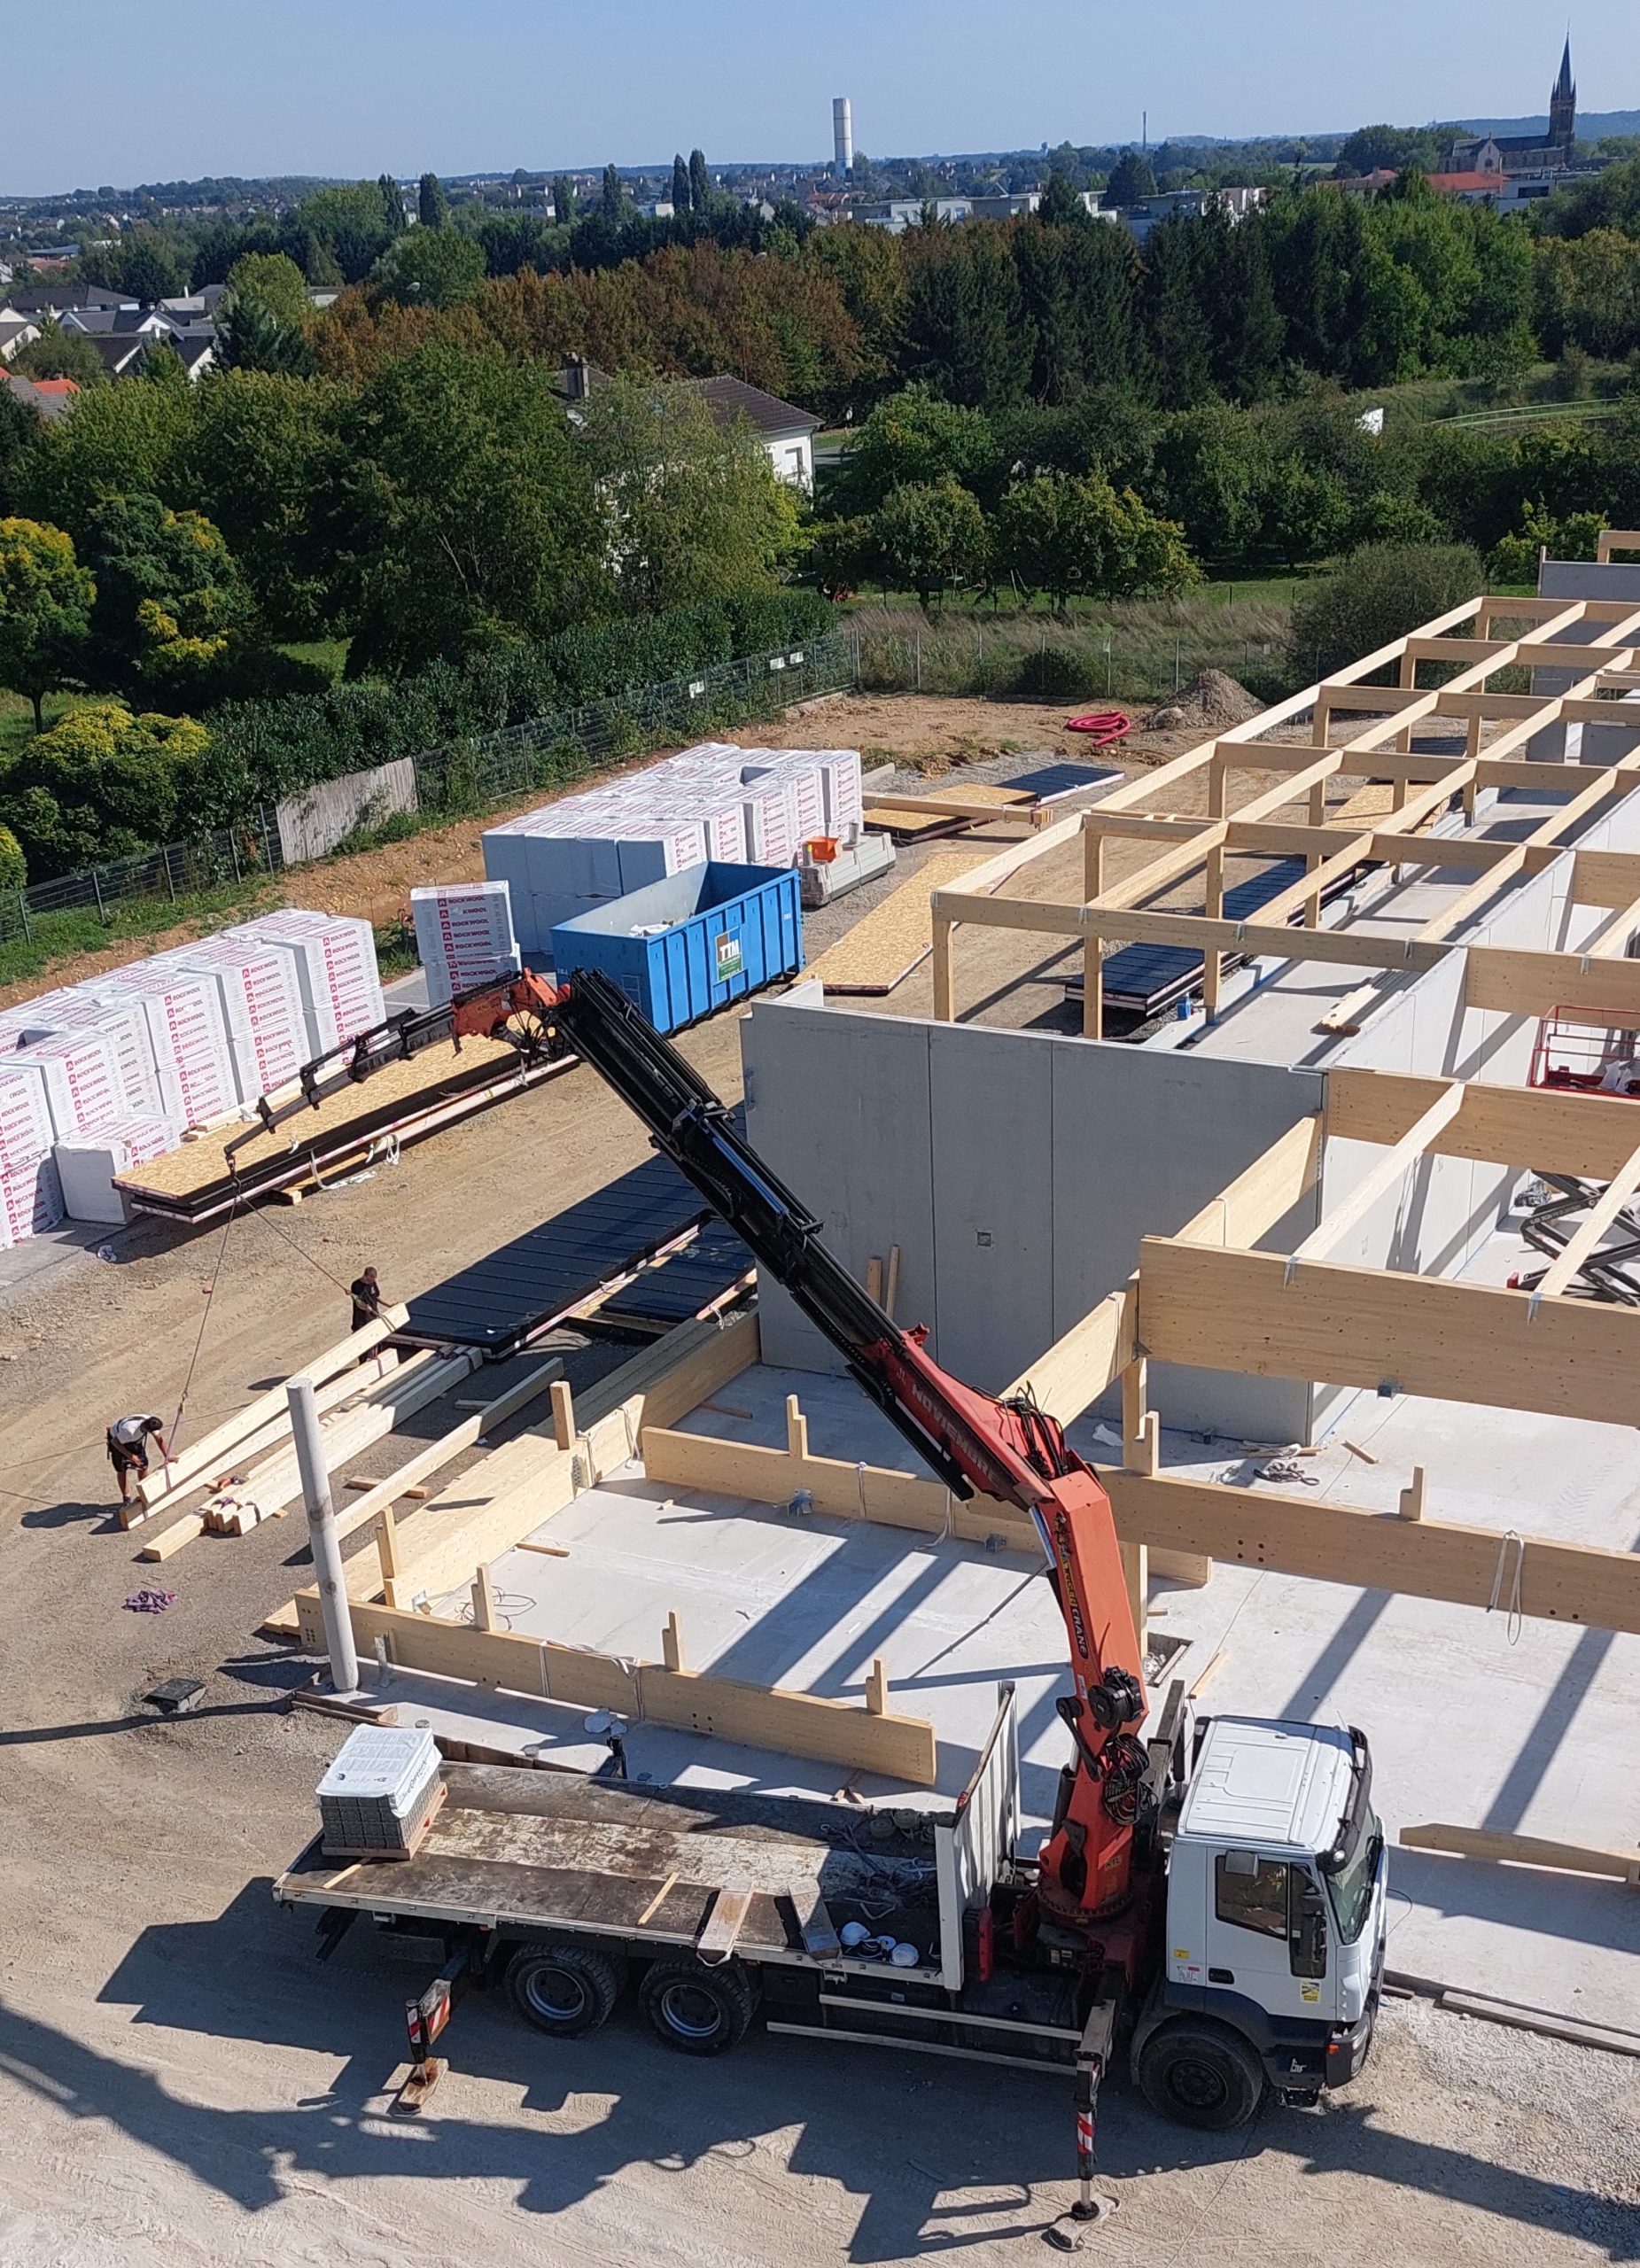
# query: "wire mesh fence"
467,776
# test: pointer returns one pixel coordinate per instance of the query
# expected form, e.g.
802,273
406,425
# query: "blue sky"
122,90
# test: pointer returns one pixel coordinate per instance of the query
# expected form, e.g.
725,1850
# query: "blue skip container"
686,946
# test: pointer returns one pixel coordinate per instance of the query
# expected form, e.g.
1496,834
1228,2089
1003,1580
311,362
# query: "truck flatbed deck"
548,1851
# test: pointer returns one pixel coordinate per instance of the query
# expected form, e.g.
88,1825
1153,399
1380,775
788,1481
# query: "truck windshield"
1351,1884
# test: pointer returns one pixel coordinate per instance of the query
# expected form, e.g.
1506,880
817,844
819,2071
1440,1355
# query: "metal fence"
471,775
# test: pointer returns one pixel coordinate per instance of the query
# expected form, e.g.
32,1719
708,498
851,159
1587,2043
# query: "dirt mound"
1211,699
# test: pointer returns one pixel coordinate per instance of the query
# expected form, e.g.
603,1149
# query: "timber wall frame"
1600,653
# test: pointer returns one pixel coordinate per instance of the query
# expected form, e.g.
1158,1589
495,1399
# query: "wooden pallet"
884,947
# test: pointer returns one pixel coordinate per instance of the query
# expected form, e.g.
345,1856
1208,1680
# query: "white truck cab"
1273,1945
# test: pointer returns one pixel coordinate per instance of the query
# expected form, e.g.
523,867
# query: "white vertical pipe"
327,1549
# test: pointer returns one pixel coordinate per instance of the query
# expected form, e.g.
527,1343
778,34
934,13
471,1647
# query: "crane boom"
1009,1451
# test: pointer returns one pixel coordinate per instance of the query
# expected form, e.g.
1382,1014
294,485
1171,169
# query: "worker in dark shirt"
127,1449
366,1294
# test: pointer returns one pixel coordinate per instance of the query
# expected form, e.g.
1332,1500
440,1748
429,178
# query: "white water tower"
842,137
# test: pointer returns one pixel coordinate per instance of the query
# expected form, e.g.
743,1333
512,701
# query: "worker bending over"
127,1449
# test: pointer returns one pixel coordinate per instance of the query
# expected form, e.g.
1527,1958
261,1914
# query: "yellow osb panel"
197,1165
908,823
1375,801
896,936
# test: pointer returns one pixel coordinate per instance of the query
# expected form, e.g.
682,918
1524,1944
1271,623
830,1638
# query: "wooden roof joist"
1536,1130
1579,1583
1248,1312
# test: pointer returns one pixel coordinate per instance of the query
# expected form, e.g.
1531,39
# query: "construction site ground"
180,2084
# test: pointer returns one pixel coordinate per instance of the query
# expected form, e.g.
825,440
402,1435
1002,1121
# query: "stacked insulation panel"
30,1195
736,807
335,960
262,1008
464,935
97,1077
188,1034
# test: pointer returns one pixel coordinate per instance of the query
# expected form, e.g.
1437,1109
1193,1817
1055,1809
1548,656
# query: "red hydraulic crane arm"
1008,1450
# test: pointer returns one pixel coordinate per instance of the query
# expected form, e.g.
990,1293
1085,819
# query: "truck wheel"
1201,2074
563,1989
699,2011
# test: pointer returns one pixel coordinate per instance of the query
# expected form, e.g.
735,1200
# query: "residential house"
50,397
1143,218
56,299
16,333
786,431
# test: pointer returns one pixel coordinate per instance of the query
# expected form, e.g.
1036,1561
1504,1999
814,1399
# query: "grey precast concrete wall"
1016,1171
1581,579
1443,1209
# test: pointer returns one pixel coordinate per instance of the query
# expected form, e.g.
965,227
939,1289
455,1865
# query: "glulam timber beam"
1251,1313
1536,1129
1578,1583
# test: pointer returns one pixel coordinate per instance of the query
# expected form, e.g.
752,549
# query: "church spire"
1563,104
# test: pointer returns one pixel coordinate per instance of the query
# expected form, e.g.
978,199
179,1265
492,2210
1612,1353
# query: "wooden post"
796,1428
877,1689
1212,962
1092,950
891,1290
945,975
672,1642
387,1543
1412,1496
562,1414
873,1278
1139,1424
483,1615
1136,1573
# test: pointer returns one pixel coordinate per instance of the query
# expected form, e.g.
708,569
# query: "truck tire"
563,1989
1200,2074
696,2009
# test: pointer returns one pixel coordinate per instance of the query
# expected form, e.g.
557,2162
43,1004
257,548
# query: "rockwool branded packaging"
26,1130
189,1035
76,1071
87,1009
464,934
262,1008
86,1167
336,967
31,1202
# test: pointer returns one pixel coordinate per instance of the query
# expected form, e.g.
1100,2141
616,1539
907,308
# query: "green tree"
614,201
345,230
693,510
430,267
682,197
433,206
964,323
392,203
930,537
45,610
1131,179
100,784
275,279
700,182
1060,205
1387,149
1075,536
116,440
562,199
21,426
1380,593
174,614
913,437
260,453
147,264
61,354
463,512
13,865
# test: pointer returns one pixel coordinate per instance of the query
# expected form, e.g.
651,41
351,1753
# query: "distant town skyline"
104,92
